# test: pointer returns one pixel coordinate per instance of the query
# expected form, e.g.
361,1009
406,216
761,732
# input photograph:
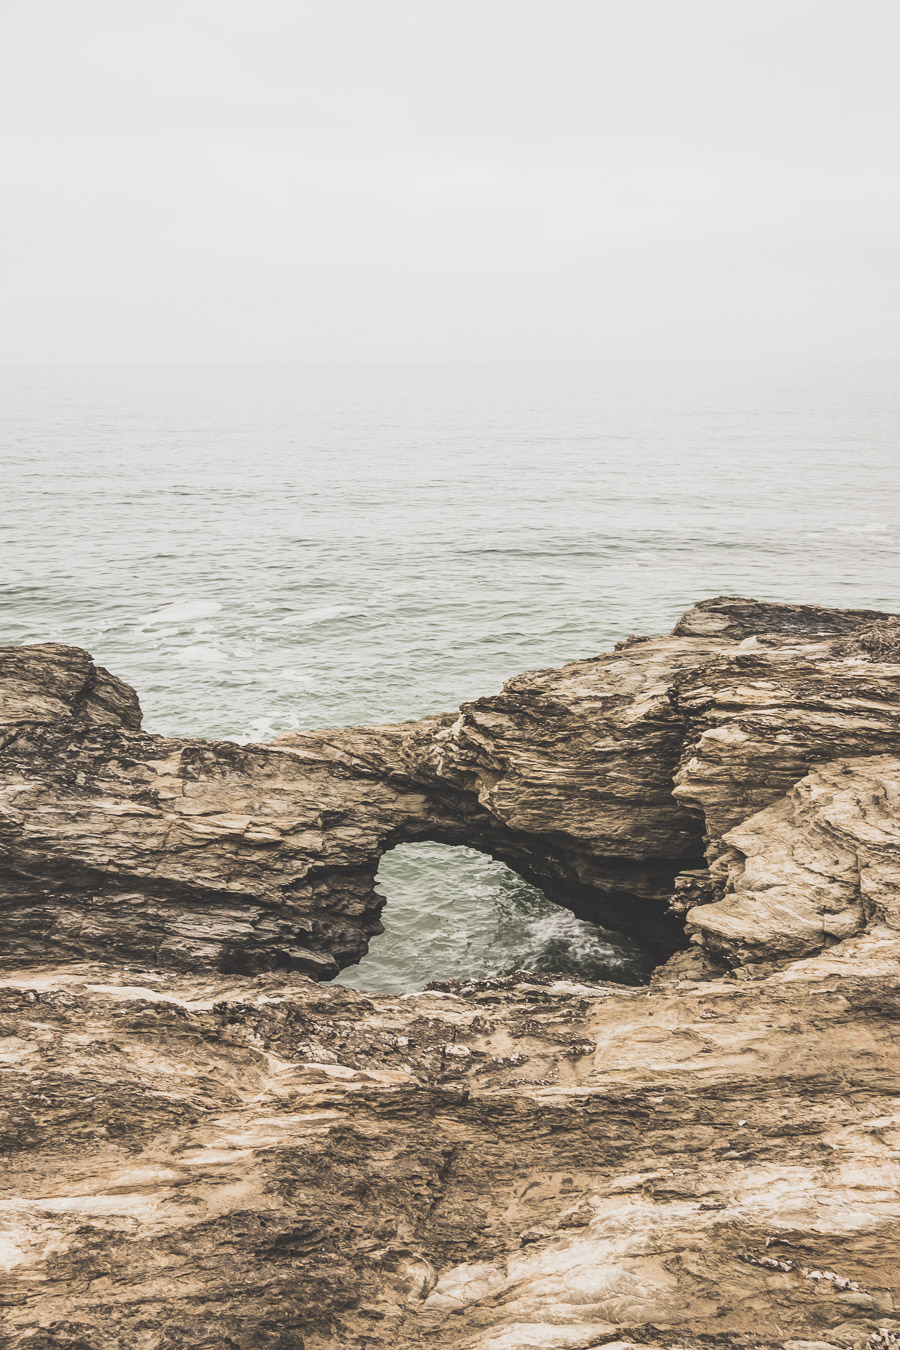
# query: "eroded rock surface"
204,1147
818,865
601,782
225,1162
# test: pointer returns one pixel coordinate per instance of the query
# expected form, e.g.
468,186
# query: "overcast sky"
281,180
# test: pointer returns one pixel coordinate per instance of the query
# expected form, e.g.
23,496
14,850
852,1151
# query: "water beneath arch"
455,913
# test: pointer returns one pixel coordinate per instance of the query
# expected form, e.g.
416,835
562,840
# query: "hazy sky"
259,180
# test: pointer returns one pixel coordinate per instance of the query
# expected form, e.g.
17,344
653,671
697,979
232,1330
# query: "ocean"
262,549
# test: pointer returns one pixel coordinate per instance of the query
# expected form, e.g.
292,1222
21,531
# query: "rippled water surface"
263,549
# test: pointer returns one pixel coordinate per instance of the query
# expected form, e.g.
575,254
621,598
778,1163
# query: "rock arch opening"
453,912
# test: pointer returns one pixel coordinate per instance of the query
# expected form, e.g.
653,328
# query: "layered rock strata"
203,1147
601,782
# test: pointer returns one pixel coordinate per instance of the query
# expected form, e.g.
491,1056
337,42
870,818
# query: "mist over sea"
262,549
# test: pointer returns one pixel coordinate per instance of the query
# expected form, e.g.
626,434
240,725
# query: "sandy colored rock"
262,1161
203,1147
814,867
604,782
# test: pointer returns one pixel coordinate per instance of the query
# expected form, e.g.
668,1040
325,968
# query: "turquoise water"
259,549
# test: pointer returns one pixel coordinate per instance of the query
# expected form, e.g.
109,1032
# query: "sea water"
263,549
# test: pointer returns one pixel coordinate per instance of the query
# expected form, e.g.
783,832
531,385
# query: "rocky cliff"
206,1147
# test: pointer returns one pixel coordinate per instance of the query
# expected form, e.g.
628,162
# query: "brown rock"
203,1147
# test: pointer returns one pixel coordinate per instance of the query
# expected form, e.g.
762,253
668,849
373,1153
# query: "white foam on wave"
306,618
203,653
182,612
582,939
259,732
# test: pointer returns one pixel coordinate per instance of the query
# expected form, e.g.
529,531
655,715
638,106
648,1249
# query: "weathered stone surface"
813,868
205,1148
234,1161
254,857
48,683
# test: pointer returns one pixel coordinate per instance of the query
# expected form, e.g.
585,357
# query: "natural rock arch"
611,784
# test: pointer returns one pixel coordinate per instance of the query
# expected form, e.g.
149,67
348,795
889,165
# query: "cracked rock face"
818,865
204,1147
